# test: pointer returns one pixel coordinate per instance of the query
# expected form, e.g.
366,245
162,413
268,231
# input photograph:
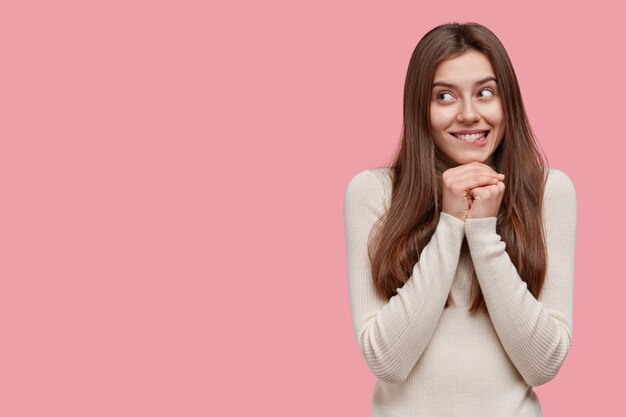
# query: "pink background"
172,180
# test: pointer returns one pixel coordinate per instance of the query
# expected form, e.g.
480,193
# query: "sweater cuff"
451,220
481,226
452,228
476,229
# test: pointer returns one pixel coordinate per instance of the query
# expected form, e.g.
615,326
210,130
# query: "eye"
485,93
445,96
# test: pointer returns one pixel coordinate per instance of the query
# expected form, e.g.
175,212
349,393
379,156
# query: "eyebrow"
477,83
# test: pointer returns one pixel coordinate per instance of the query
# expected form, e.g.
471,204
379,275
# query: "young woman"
461,254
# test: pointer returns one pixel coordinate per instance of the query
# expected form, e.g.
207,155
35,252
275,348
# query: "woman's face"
466,114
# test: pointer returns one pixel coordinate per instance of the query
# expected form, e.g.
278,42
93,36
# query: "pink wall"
172,179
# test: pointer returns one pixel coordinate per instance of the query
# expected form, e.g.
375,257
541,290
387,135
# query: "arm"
393,334
536,334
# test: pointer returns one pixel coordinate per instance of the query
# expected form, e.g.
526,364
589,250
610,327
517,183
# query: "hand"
487,201
459,183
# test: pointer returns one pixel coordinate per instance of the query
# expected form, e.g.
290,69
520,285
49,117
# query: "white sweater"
436,362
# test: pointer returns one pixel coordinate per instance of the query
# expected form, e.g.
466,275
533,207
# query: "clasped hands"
472,191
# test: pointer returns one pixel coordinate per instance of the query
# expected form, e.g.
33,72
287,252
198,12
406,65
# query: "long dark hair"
413,214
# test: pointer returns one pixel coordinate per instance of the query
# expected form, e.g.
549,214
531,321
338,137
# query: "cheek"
441,118
495,116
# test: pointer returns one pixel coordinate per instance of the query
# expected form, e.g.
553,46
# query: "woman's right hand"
457,183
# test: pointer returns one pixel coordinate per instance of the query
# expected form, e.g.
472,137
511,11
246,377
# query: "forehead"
466,68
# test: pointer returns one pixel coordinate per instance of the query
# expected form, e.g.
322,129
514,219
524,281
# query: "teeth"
472,137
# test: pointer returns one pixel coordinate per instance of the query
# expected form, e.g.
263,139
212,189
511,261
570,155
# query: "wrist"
480,216
481,226
460,217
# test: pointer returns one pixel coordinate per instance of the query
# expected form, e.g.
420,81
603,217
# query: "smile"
474,136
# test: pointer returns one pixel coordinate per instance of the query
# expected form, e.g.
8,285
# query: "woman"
461,254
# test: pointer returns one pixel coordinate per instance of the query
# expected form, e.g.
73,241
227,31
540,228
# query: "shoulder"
558,185
559,202
369,187
377,177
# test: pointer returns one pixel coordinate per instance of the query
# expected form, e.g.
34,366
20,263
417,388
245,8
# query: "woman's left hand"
486,201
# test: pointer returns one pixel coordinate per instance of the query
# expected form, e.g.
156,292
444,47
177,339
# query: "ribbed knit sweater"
436,362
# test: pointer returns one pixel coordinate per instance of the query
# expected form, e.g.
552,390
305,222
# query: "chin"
463,161
452,160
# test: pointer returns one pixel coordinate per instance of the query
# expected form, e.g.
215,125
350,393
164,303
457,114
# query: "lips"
470,135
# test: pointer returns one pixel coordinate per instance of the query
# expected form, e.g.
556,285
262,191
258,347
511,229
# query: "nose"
467,113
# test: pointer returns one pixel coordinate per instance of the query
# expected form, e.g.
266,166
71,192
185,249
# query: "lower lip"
477,142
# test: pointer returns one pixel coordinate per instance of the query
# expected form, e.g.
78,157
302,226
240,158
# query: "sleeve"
536,333
392,334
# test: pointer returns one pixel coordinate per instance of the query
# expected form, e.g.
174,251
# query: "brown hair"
415,206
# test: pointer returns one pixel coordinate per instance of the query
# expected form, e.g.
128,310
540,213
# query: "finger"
474,182
478,166
498,187
473,171
484,191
